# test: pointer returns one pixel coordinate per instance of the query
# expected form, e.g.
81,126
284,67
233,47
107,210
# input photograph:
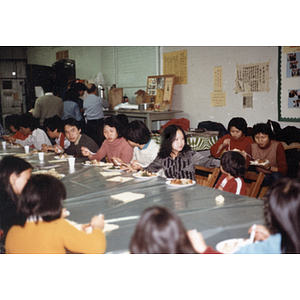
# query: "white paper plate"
63,158
47,172
256,163
116,169
168,183
231,245
102,164
140,177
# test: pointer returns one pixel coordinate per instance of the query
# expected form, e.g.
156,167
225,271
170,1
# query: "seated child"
77,139
233,168
45,230
36,136
12,123
55,130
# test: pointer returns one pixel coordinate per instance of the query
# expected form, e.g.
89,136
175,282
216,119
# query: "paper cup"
4,145
41,156
26,148
71,161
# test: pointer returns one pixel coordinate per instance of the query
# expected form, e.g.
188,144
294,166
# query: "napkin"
127,196
120,179
107,174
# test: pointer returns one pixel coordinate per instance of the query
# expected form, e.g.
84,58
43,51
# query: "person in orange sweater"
264,148
236,139
45,231
114,146
12,122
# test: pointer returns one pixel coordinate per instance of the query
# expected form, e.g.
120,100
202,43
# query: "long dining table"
92,190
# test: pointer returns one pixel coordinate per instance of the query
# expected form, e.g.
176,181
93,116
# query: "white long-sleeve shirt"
37,138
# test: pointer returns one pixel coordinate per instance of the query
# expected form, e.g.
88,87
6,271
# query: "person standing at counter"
176,157
263,149
93,108
14,174
236,139
114,146
44,229
36,136
77,139
48,105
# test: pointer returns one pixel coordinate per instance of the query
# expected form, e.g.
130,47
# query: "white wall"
194,97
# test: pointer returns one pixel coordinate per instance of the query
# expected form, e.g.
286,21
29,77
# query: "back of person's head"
123,119
160,231
48,85
261,128
168,137
72,122
282,213
80,87
26,121
13,120
53,123
239,123
42,197
233,163
138,132
114,122
11,165
71,95
91,88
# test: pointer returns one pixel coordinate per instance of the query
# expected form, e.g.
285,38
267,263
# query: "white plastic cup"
71,161
4,145
26,148
41,156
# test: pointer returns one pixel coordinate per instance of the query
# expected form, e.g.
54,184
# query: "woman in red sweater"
114,145
236,139
265,148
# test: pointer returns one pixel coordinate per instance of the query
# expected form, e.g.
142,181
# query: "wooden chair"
253,182
207,176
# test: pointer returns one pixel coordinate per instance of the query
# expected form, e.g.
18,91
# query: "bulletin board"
160,91
289,83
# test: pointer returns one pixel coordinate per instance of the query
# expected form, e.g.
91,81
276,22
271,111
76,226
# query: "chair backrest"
207,176
253,182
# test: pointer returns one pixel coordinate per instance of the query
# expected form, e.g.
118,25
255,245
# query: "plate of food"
52,172
97,163
180,183
14,146
113,169
259,162
144,175
63,156
232,245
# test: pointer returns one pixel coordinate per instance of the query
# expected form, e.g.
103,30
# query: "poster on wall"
252,78
218,79
289,83
218,99
176,63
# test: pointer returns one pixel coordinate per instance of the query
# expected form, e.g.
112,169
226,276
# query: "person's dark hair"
160,231
233,163
53,123
114,122
42,197
282,213
71,95
26,120
168,137
11,165
80,87
239,123
48,85
261,128
72,122
138,132
123,119
13,120
91,89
